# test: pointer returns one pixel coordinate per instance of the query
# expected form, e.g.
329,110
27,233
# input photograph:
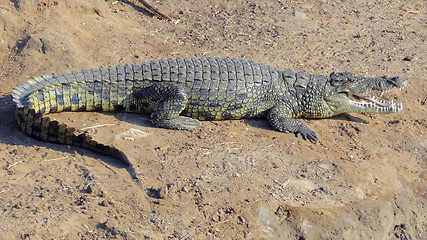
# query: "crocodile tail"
40,127
48,93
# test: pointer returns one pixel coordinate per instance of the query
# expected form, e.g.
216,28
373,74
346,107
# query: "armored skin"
180,92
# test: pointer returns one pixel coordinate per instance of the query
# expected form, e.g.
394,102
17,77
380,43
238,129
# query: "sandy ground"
366,179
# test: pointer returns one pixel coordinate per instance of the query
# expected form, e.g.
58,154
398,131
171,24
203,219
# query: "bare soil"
366,179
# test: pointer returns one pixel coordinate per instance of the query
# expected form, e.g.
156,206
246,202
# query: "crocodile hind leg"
281,119
166,102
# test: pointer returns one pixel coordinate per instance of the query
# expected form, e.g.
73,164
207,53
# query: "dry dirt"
366,179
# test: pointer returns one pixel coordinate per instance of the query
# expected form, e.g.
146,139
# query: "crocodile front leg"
166,102
280,118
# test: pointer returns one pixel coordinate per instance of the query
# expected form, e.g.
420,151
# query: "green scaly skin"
180,92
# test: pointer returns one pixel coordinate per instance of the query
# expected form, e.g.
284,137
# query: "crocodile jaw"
347,102
371,104
350,94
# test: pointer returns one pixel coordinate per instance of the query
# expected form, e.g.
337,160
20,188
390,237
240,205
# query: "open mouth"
374,103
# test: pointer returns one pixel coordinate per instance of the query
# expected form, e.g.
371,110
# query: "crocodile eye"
337,79
341,78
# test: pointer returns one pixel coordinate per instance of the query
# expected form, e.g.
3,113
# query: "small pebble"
299,15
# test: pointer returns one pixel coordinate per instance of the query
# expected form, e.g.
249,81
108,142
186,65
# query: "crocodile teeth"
376,104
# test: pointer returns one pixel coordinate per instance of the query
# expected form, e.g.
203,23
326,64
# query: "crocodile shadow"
144,120
263,123
138,119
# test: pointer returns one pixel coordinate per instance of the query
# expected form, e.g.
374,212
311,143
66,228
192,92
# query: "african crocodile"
180,92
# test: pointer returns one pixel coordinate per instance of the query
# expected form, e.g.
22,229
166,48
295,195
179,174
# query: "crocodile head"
347,92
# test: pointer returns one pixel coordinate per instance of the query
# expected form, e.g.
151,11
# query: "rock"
299,15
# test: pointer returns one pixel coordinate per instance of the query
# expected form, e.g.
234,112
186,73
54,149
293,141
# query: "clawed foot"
307,134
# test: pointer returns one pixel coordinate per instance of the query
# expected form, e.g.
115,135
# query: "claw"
307,134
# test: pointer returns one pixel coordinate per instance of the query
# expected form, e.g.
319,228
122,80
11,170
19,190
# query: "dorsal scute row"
218,74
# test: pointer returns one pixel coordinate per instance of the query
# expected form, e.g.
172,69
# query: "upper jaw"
378,84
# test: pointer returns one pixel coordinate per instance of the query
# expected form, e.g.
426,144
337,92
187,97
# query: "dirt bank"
366,179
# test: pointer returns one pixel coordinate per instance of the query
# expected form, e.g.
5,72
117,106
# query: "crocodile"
180,92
